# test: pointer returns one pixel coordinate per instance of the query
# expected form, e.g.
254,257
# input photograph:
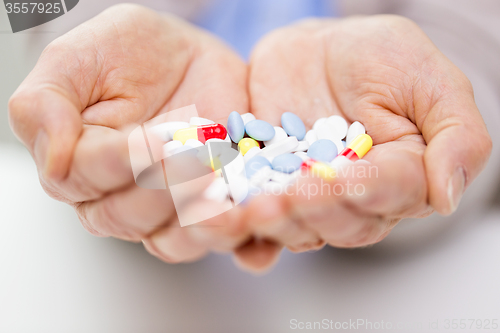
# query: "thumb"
458,143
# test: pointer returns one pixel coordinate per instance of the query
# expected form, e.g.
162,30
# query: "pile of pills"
273,155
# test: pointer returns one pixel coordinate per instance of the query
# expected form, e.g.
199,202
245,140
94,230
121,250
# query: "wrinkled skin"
129,64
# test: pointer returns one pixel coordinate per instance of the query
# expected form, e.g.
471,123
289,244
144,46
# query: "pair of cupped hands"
130,64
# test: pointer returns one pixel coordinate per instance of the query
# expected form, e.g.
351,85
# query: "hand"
430,140
122,68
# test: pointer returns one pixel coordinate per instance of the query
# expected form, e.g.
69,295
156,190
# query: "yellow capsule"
361,145
185,134
323,170
246,144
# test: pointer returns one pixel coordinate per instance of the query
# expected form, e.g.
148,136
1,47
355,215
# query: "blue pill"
287,163
260,130
323,150
235,126
293,125
255,164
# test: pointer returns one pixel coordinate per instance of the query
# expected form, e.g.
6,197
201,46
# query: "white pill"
247,117
166,131
216,191
302,155
311,137
326,131
228,138
339,126
319,122
340,146
279,134
355,129
286,145
302,146
341,163
198,121
282,178
238,188
251,153
170,147
261,176
193,143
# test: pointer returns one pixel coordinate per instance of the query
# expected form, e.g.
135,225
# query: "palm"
383,72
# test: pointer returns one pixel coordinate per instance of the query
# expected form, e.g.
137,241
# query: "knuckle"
128,10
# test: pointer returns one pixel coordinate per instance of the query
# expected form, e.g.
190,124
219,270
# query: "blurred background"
55,277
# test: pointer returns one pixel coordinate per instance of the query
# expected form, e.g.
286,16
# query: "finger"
129,214
215,81
458,143
47,120
136,212
100,165
174,245
282,79
221,233
365,201
257,256
269,218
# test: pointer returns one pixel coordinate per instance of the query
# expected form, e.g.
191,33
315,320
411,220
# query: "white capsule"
198,121
339,126
214,141
251,153
247,117
166,131
279,134
286,145
319,122
228,138
355,129
170,147
311,137
302,146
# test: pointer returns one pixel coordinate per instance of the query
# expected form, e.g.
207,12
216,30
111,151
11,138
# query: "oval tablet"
293,125
255,164
287,163
322,150
354,130
235,126
260,130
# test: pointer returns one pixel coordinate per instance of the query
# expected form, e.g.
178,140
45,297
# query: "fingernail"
456,186
40,150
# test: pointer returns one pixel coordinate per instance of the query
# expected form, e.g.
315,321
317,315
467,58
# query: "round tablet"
287,163
255,164
323,150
